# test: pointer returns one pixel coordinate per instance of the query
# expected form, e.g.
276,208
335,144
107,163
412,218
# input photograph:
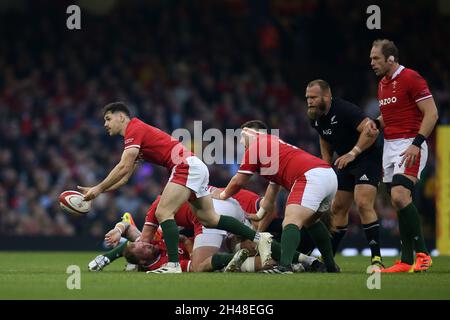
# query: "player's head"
116,116
140,253
254,125
383,57
318,98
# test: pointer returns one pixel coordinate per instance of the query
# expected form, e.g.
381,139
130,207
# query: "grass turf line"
42,275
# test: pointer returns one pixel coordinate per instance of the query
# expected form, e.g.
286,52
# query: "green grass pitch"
42,275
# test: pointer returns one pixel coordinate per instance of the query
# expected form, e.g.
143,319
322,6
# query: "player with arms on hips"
408,116
341,127
188,181
311,181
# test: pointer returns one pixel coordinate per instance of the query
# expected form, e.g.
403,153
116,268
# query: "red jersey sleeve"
150,219
133,136
250,163
418,88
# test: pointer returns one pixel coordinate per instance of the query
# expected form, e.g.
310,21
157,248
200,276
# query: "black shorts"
367,171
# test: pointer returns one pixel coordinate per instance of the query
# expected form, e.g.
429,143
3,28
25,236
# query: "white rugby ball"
73,202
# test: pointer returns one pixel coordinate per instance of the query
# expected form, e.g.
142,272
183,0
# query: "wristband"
352,153
357,149
261,213
118,229
418,140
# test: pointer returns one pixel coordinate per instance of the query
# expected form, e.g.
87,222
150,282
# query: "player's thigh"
173,196
297,214
205,212
390,154
199,255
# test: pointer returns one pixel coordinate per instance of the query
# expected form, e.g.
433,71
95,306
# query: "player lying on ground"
151,255
206,255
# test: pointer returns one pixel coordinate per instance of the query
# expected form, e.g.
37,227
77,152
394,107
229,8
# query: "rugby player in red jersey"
188,181
408,116
311,181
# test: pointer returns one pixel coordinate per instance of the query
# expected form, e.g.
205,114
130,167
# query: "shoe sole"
267,260
233,267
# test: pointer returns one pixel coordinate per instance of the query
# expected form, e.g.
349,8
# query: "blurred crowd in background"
221,62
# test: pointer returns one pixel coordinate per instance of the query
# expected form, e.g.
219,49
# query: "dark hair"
129,255
388,48
324,86
255,124
117,107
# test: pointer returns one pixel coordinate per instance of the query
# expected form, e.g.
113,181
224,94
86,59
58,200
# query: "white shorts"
315,190
391,159
194,174
215,237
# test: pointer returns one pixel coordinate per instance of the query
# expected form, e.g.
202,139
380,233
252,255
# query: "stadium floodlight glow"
350,252
389,252
435,253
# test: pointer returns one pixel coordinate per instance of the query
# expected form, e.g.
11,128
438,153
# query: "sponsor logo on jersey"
387,101
327,132
129,140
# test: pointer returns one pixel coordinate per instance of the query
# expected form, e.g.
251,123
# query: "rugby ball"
72,202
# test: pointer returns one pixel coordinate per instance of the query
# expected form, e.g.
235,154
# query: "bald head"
322,84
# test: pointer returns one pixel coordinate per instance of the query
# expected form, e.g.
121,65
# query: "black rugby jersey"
339,128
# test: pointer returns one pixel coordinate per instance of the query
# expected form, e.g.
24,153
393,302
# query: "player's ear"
391,59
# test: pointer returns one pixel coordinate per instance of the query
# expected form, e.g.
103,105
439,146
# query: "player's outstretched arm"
235,184
122,181
121,170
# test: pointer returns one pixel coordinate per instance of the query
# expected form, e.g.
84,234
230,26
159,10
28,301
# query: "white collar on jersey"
397,72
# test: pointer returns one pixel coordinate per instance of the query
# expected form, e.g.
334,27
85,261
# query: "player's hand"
410,156
344,160
370,129
112,238
215,193
89,193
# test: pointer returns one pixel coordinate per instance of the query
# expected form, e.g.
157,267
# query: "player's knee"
364,205
339,208
400,198
402,188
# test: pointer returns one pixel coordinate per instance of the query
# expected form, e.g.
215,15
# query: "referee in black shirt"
340,125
